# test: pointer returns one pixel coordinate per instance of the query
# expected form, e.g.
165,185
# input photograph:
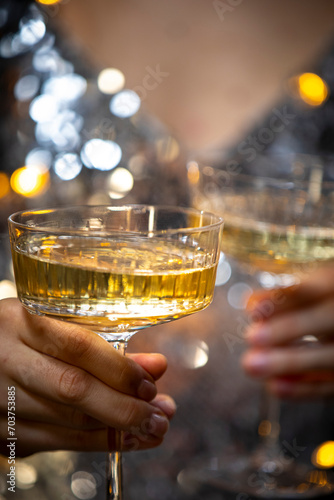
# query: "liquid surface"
270,247
112,286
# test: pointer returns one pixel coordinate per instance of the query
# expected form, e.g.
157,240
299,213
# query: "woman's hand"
73,389
292,338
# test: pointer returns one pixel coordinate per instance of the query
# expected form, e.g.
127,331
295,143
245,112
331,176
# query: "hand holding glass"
115,270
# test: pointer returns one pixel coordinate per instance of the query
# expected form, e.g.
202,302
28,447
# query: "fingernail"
158,425
259,334
257,364
167,405
146,390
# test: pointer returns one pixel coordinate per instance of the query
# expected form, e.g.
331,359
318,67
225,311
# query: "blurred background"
103,102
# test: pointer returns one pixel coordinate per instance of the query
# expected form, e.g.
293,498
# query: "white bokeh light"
120,183
238,295
67,166
125,104
26,87
62,132
83,485
46,60
224,271
43,108
100,154
66,88
39,157
32,31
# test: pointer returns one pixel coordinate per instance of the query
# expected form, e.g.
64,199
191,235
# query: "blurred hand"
73,389
294,366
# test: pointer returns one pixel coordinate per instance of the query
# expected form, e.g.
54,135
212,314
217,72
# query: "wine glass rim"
218,220
279,178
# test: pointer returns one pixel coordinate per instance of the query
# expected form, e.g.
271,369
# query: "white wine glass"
115,270
279,226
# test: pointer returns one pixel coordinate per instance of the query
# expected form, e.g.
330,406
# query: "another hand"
280,353
71,386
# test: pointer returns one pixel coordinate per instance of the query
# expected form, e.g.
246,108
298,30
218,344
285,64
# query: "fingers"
267,303
86,350
317,320
40,410
47,437
285,361
300,389
154,364
54,380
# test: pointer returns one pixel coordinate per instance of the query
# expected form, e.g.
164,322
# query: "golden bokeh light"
312,89
264,428
48,2
323,455
4,185
193,172
110,81
30,181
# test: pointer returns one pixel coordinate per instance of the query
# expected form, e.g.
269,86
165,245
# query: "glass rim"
218,220
284,181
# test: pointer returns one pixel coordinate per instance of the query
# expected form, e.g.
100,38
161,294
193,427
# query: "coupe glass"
279,225
115,270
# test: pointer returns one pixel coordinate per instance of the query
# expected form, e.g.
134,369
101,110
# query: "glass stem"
114,459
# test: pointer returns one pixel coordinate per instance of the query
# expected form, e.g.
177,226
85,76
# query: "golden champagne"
274,248
112,285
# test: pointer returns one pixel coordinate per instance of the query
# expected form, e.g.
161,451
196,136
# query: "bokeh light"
67,166
4,185
110,81
125,104
66,88
26,475
238,295
323,455
30,181
193,172
83,485
312,89
120,183
44,108
26,88
39,157
100,154
32,31
48,2
224,271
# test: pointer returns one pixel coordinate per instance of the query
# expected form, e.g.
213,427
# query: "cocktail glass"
279,226
115,270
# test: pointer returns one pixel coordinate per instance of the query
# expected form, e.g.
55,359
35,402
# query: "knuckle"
128,376
73,385
79,343
130,415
